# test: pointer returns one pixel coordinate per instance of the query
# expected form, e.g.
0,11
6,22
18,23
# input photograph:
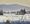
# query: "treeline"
1,12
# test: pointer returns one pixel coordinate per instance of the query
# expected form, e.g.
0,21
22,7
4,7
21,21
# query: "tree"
7,22
24,11
1,12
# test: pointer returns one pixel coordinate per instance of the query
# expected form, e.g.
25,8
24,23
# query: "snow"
13,17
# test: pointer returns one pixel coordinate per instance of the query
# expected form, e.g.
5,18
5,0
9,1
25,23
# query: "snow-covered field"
13,17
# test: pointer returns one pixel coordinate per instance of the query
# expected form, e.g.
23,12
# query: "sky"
20,1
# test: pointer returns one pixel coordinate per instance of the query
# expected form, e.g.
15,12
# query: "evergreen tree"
24,11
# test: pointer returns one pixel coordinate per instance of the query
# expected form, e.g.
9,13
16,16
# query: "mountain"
13,7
